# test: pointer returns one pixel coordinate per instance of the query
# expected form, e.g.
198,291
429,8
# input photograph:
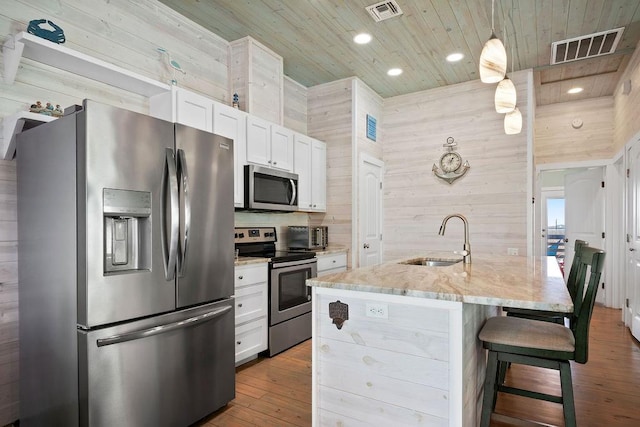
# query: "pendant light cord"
493,4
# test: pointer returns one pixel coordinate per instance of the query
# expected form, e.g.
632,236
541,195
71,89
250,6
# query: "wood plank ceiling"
314,37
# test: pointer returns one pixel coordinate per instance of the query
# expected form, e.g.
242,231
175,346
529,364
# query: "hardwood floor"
277,391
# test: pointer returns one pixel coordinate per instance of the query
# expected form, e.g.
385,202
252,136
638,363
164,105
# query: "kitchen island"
396,343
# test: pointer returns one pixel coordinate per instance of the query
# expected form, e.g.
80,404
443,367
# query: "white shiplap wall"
626,110
329,119
295,105
557,141
493,194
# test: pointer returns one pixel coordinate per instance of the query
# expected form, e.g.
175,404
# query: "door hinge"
381,237
626,302
628,172
602,184
628,238
381,185
603,234
602,285
533,200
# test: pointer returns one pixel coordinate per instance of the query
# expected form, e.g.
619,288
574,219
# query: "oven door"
289,295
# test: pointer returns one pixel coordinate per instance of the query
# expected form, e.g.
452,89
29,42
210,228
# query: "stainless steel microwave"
270,189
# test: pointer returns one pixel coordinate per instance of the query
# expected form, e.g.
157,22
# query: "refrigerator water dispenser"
127,230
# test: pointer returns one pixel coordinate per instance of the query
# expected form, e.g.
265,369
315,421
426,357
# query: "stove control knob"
236,236
242,235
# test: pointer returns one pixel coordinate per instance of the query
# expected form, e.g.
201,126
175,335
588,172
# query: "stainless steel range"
289,296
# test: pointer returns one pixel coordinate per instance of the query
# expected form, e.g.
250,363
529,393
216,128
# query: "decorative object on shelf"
451,163
47,110
371,127
339,313
236,101
38,28
173,64
493,59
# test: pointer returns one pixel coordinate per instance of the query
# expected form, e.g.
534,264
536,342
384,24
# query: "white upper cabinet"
269,144
184,107
197,111
310,164
231,123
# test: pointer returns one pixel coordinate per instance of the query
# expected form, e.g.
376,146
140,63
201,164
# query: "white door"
319,174
632,309
281,148
302,166
370,210
258,141
584,212
552,222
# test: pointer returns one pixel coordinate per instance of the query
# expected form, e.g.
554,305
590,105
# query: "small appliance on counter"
308,238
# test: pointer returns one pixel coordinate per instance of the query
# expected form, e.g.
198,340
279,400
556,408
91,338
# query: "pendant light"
513,122
493,59
505,98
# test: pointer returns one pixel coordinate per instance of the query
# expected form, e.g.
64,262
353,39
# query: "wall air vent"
384,10
589,46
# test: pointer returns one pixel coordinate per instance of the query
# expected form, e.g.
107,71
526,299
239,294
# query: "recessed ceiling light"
362,38
394,71
575,90
455,57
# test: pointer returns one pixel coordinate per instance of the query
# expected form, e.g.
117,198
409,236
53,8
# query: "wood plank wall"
626,112
557,141
493,193
295,105
329,120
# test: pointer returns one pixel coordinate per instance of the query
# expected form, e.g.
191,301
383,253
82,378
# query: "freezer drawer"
170,370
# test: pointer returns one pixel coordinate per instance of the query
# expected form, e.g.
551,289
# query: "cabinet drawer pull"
238,342
239,305
240,277
334,261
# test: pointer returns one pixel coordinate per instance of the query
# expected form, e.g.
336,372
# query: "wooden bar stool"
572,287
544,344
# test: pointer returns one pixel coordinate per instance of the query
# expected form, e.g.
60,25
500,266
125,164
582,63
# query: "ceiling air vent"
589,46
384,10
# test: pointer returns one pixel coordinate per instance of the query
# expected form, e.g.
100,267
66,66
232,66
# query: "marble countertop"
513,281
330,250
246,260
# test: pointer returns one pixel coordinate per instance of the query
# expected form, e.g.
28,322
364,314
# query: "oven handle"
285,264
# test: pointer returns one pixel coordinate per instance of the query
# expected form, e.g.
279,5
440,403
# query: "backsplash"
279,220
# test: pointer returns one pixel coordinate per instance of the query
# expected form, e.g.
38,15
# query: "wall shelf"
13,125
29,46
25,45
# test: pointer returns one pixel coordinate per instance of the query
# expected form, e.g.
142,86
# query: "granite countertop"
329,250
513,281
246,260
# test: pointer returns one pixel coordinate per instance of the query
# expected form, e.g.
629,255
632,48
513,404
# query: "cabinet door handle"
240,277
239,305
238,342
334,261
275,163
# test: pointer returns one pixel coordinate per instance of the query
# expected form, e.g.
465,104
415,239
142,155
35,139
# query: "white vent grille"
589,46
384,10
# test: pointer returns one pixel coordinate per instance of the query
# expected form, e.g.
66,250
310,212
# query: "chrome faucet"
466,249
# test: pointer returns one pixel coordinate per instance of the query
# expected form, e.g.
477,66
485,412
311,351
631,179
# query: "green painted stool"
543,344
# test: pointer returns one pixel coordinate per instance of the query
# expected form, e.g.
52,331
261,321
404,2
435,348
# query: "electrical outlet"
377,310
512,251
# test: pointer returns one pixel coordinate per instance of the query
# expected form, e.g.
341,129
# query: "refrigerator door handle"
170,183
293,192
184,182
149,332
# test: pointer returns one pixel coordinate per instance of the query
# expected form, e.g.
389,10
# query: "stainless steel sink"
432,262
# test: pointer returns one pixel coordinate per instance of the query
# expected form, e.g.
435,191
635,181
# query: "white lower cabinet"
251,299
332,263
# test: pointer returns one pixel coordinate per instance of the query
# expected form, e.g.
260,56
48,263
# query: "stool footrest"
529,393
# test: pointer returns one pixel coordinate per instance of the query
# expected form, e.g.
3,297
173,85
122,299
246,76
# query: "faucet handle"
463,253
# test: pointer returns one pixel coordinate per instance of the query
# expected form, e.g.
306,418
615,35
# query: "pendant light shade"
493,61
513,122
505,98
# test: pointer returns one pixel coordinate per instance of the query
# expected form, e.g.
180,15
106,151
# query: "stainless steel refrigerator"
125,228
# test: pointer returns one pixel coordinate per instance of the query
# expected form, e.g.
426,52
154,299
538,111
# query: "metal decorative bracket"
339,313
